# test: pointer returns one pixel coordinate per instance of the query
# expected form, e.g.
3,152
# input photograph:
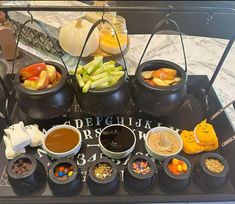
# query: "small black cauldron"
159,100
107,101
48,103
209,180
139,182
26,182
170,182
103,186
65,184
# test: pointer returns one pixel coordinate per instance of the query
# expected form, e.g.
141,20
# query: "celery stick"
99,76
96,63
88,64
80,80
104,85
99,82
80,69
85,78
118,68
87,86
109,68
117,73
111,62
99,70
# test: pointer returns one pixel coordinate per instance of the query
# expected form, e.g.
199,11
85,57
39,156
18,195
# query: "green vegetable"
99,82
97,74
94,65
80,80
117,73
87,86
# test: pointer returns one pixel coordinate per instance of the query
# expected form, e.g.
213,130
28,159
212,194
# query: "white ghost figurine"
18,136
9,151
35,134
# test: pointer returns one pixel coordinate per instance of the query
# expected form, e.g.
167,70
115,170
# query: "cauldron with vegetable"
161,92
102,87
40,98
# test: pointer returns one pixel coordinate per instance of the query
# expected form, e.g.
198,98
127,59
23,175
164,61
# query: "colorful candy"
63,172
102,171
141,167
177,166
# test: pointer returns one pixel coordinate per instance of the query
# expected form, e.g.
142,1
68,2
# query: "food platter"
186,117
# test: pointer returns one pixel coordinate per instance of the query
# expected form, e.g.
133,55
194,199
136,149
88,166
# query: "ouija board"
191,112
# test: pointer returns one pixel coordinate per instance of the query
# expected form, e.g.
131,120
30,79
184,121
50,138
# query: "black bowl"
69,186
48,103
137,183
158,100
117,141
29,182
105,186
209,180
105,102
170,182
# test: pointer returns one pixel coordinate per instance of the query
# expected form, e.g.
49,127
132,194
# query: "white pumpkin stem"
79,23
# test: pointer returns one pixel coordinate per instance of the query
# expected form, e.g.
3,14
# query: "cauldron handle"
166,19
88,36
32,20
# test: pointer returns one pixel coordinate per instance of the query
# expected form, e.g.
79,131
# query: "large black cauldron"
107,101
158,100
48,103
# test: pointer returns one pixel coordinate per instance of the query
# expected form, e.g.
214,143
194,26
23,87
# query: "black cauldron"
170,182
28,182
48,103
105,102
209,180
158,100
69,186
138,183
105,186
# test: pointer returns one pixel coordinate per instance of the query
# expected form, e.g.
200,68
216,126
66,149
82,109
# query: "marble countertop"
203,55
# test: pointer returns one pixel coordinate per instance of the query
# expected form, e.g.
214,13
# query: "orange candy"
177,166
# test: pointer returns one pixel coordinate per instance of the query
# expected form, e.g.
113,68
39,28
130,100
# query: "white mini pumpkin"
73,35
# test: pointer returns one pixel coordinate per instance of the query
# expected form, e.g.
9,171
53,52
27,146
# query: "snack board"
187,117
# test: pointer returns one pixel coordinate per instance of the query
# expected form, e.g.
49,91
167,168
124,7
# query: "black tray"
186,117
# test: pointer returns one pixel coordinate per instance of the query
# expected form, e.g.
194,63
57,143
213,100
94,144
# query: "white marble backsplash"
203,55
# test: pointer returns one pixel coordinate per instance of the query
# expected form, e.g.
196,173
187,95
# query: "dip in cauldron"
117,141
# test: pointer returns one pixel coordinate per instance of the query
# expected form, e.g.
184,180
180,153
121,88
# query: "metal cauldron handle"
32,20
6,93
88,36
163,21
